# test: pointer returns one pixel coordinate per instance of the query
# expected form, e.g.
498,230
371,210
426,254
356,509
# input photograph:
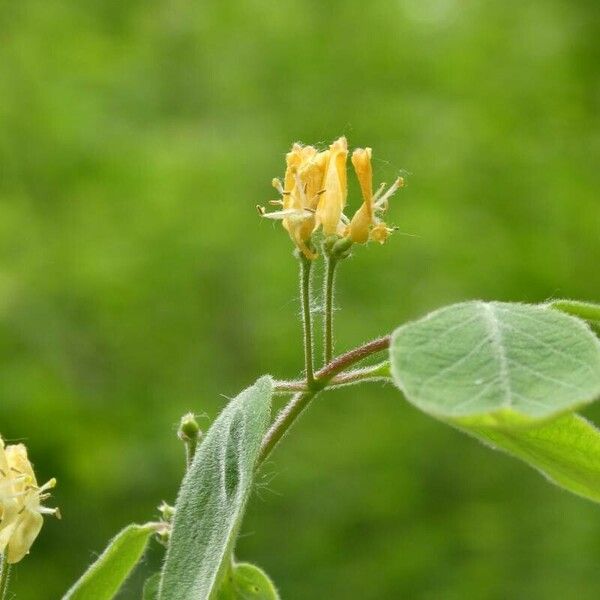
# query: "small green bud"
163,535
190,434
189,430
166,511
341,249
329,242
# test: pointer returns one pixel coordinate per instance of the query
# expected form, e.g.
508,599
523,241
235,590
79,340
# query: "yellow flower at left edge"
300,192
21,500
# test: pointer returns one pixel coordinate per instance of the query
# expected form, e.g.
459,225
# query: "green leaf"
104,577
508,364
151,587
566,450
247,582
213,496
588,311
585,310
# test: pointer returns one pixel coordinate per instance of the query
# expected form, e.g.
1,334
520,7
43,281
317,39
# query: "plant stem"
284,421
378,372
305,268
331,263
342,362
301,400
4,577
190,451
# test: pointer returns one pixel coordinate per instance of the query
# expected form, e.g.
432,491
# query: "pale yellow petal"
361,160
333,200
10,515
4,469
358,230
26,530
293,159
18,461
380,233
300,235
312,174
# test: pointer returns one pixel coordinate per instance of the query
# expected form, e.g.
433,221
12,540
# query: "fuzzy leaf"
105,576
151,587
247,582
213,496
587,311
566,450
509,364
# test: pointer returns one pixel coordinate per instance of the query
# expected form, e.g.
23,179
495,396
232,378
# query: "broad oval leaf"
513,363
213,496
105,576
566,450
247,582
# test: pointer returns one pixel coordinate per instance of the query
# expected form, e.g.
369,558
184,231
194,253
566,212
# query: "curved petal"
24,534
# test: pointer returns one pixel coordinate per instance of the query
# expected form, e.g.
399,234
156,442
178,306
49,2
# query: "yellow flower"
300,192
333,200
20,502
314,191
365,224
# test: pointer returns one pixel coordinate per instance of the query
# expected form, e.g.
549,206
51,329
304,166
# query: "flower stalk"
4,576
329,286
305,295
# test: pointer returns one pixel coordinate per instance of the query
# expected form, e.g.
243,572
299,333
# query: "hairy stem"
331,264
301,399
284,421
4,577
305,268
190,451
342,362
378,372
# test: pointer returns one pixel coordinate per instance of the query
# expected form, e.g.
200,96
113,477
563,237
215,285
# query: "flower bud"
189,428
333,200
366,224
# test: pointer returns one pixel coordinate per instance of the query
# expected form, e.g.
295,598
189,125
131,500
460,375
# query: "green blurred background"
137,282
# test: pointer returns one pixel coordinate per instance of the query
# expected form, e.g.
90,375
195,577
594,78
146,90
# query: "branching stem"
378,372
324,376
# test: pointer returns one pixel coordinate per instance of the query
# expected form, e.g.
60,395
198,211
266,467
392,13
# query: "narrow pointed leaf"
585,310
588,311
213,496
247,582
509,363
566,450
104,577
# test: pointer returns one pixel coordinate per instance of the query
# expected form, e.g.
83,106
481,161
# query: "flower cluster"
314,192
20,502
